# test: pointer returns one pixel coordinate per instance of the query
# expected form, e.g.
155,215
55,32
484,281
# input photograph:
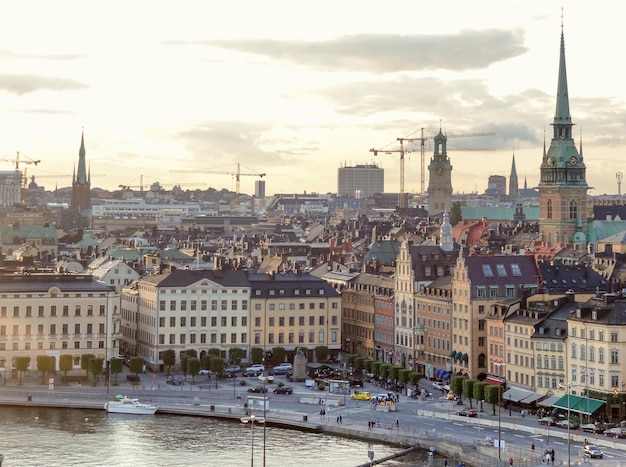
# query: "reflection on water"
63,437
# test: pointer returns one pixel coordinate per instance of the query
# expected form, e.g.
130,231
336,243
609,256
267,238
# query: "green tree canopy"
235,355
456,384
278,355
468,389
376,368
191,353
43,366
169,359
136,366
84,362
214,351
95,368
217,366
21,365
321,353
455,213
66,363
256,354
193,365
493,395
479,391
116,367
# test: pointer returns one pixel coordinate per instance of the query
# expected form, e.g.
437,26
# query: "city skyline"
285,89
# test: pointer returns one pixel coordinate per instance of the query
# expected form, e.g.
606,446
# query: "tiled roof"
501,271
187,277
291,285
43,282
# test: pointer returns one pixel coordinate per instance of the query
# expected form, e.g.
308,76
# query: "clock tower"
440,178
562,186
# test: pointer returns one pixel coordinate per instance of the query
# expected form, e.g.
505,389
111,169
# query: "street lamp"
251,419
569,390
264,380
499,407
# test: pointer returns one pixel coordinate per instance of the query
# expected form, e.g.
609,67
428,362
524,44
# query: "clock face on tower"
573,160
439,171
549,161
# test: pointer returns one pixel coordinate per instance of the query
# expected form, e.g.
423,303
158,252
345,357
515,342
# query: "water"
34,436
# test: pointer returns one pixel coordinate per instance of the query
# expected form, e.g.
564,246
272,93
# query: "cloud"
24,84
385,53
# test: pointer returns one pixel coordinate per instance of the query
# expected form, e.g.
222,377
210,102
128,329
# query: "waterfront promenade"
409,427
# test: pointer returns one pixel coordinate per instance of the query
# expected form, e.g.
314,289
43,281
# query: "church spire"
513,182
562,116
81,176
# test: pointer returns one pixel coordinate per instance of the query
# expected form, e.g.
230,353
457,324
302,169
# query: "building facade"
360,181
54,315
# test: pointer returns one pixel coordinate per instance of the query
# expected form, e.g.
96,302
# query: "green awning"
453,355
465,357
579,404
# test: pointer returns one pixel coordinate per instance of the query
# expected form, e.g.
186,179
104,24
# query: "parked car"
593,428
547,421
235,368
438,385
254,370
283,369
361,396
204,372
259,389
229,373
451,396
592,451
565,423
283,390
446,387
467,413
619,432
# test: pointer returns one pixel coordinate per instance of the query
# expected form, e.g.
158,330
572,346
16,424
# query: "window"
487,270
613,336
573,210
172,321
614,356
233,321
257,322
516,269
224,321
549,209
501,269
271,321
233,337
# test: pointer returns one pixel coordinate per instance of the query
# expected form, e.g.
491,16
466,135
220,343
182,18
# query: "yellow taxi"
361,396
451,396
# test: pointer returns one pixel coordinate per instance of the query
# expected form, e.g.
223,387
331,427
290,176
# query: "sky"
296,90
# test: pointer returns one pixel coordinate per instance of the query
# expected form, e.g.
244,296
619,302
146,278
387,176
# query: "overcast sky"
298,89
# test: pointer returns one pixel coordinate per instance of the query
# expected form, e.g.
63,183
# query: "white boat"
123,404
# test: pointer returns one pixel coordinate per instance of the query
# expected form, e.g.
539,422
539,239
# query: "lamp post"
264,380
569,391
250,419
499,407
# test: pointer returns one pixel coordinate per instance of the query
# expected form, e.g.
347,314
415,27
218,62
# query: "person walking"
510,461
552,456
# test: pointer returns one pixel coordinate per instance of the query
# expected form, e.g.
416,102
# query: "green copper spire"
562,115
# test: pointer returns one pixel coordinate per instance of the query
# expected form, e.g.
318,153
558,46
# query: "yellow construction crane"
401,197
236,174
422,139
17,161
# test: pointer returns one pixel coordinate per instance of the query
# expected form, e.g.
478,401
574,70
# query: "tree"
235,355
376,368
493,395
183,365
169,359
191,353
214,351
84,362
217,366
479,392
456,384
95,368
256,354
358,365
468,389
66,363
414,377
367,365
350,358
43,366
394,373
384,370
403,375
455,213
21,365
193,365
321,353
136,366
116,367
278,355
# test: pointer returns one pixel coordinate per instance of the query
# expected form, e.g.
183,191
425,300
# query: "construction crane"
401,198
17,161
236,174
422,139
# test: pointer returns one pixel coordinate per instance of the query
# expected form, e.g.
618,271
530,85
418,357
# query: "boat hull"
130,406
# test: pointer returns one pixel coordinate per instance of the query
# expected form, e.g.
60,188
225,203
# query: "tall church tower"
562,186
513,184
439,178
81,182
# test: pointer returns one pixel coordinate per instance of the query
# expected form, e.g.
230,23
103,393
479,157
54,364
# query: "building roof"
501,270
37,283
187,277
291,285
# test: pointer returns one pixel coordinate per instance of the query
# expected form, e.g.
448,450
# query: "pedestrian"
397,422
510,461
585,442
321,413
445,464
337,418
552,456
532,446
340,419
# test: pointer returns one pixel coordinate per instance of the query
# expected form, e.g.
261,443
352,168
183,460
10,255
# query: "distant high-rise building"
10,187
259,189
360,181
513,183
496,186
81,182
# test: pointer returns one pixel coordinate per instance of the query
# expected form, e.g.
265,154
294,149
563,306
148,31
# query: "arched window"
481,360
549,208
538,361
553,363
546,362
573,210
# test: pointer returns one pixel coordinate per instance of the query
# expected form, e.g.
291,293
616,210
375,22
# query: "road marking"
519,436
